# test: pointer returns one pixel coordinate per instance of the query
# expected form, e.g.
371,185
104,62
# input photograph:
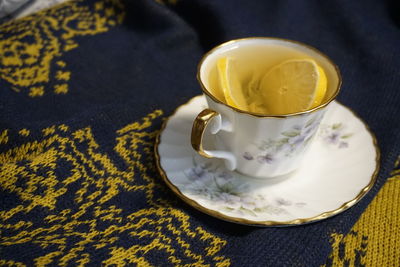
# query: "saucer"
338,170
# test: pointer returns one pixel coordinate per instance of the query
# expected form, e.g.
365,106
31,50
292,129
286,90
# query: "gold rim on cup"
322,105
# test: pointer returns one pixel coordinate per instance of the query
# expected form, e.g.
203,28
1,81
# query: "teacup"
259,145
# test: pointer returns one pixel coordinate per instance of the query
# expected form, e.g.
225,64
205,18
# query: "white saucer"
338,170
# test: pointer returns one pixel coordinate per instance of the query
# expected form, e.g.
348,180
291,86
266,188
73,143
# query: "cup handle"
198,129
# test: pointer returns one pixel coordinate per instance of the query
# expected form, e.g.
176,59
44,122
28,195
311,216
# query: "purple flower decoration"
333,138
248,156
267,158
343,145
310,130
334,135
283,202
198,172
225,175
297,140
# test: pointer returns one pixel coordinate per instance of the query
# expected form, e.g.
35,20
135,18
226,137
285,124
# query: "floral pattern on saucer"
306,196
335,135
212,182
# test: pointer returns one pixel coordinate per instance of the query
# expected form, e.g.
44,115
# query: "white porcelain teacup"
259,145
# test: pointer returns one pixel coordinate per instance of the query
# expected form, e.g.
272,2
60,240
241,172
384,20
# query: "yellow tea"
269,79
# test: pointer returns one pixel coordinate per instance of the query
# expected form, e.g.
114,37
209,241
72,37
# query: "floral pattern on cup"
291,142
335,135
214,183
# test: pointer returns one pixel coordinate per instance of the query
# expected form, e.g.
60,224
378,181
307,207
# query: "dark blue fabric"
149,62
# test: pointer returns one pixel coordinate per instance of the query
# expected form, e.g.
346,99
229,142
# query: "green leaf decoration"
284,141
311,121
291,133
346,136
260,210
227,209
248,212
336,126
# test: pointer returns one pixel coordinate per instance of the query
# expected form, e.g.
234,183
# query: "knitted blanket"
84,89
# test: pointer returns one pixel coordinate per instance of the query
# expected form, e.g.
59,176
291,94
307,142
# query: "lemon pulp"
293,86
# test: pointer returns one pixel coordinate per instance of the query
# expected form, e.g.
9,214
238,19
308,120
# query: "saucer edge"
243,221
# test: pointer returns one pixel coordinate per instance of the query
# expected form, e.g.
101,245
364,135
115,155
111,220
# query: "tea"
268,79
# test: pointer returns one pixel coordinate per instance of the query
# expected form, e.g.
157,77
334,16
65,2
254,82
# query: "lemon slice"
293,86
230,83
321,87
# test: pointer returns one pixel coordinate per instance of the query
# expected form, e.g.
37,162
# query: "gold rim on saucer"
224,217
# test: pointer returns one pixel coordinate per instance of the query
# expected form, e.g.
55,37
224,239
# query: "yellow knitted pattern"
32,48
375,238
64,165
